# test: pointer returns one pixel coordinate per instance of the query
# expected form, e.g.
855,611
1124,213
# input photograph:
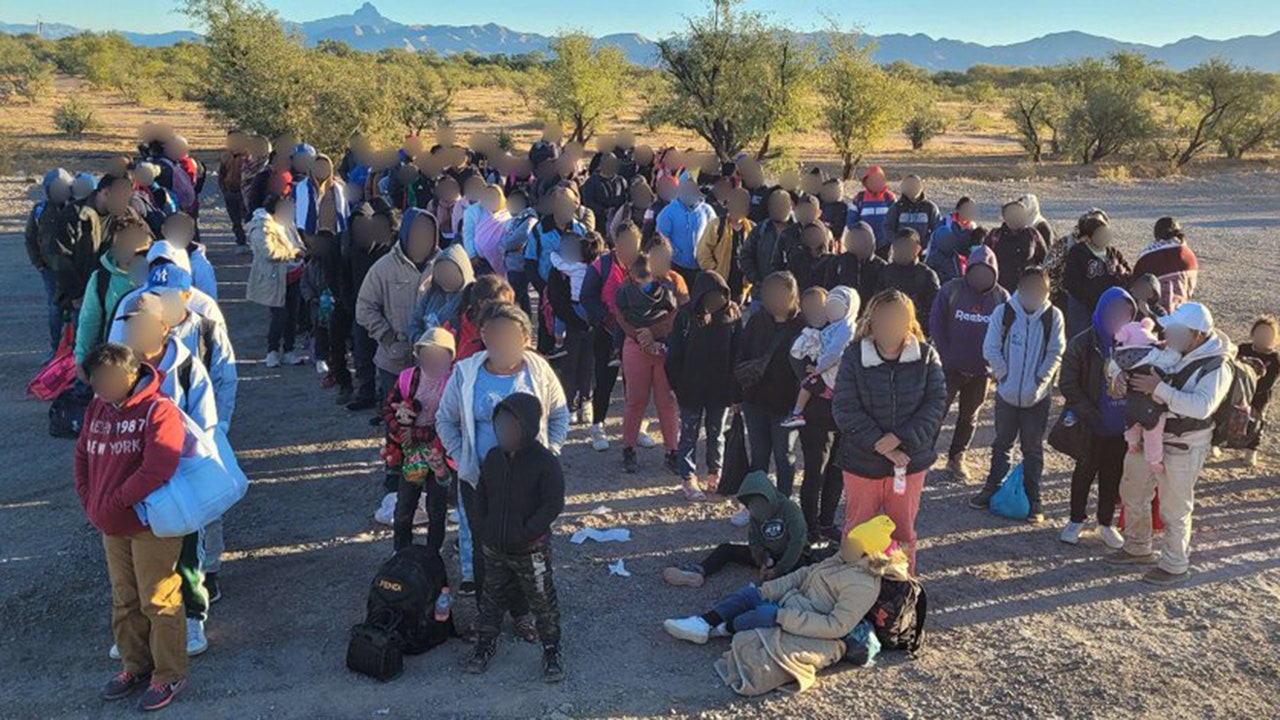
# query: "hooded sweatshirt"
185,380
1192,395
948,247
92,326
872,208
1016,250
684,226
387,298
960,316
700,355
765,249
356,259
42,227
1025,360
125,452
437,308
781,537
1084,379
520,495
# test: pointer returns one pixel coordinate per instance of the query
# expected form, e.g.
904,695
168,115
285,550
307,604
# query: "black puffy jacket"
874,396
519,496
700,357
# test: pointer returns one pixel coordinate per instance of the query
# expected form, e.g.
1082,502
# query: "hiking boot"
1122,557
1111,537
955,466
123,684
1162,577
552,665
526,628
362,404
273,359
686,576
629,463
690,629
599,441
196,641
480,657
159,695
981,501
672,462
1071,533
211,587
794,420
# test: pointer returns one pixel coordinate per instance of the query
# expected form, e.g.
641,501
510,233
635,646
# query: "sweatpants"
146,604
865,498
1177,485
693,420
283,329
972,392
646,377
195,599
407,496
576,369
1027,426
529,572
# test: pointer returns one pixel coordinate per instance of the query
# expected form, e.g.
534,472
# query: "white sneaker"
721,631
1071,533
691,629
599,441
1216,452
646,441
322,368
196,641
386,512
293,357
741,518
1111,537
114,652
273,359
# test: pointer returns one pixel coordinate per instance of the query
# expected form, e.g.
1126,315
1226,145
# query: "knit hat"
872,537
1139,333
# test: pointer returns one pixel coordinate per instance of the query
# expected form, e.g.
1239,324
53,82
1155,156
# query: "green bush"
74,118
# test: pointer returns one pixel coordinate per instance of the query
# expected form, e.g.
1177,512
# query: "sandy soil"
1020,625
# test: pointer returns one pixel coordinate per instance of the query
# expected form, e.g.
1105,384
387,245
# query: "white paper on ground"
610,535
602,510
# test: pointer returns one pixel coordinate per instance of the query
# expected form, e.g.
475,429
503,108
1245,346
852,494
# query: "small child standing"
519,495
1261,351
572,328
840,313
1138,350
412,446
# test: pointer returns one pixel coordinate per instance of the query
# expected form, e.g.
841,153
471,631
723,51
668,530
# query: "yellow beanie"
872,537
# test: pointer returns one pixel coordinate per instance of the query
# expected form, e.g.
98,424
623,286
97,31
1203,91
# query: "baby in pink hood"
1138,350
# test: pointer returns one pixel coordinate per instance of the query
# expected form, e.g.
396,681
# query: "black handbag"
1070,440
375,650
736,462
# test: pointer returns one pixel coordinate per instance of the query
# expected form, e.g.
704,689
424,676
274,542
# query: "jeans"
213,543
766,439
972,391
466,547
54,310
646,376
1026,425
363,349
284,320
693,420
606,375
1079,317
407,496
1104,461
236,212
735,609
520,283
576,368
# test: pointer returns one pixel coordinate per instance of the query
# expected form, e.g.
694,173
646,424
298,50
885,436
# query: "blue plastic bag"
861,645
1011,499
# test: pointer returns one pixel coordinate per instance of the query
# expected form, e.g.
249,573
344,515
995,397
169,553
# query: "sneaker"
211,587
1111,537
557,352
159,695
123,684
1162,577
741,518
1121,557
322,368
1251,458
1071,533
981,501
691,491
1216,452
599,441
1035,517
955,466
683,577
114,652
273,359
527,628
794,420
362,404
582,415
552,665
711,482
645,440
467,588
615,361
672,462
690,629
480,657
293,357
721,631
196,641
629,463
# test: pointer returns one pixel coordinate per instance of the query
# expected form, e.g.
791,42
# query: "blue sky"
988,22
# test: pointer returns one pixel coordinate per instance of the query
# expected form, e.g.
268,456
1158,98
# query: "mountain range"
368,29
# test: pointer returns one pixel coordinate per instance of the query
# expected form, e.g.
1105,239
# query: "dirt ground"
1020,625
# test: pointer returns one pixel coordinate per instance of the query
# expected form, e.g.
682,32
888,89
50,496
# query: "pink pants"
865,498
1150,442
644,375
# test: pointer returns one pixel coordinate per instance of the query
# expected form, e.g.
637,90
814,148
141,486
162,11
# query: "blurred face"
1033,291
507,428
563,207
811,183
434,360
904,251
448,277
752,173
125,248
236,142
422,239
474,186
505,340
830,192
60,192
739,204
1102,237
814,238
111,383
912,187
491,199
860,242
552,133
968,212
758,507
690,195
980,277
660,260
173,306
668,190
1263,337
178,231
448,192
1115,316
146,334
1182,339
302,163
284,211
837,309
627,247
322,169
790,180
807,212
117,196
776,299
644,155
517,203
641,195
608,165
876,182
1015,216
446,137
889,326
714,301
814,308
779,206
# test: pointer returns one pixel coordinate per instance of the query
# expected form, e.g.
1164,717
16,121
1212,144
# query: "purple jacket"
959,319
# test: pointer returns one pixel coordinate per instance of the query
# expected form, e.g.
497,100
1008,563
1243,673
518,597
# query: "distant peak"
367,12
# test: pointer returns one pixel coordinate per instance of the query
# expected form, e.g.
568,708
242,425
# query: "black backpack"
66,412
898,615
400,614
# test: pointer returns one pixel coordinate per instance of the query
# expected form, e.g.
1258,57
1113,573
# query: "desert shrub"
23,74
74,117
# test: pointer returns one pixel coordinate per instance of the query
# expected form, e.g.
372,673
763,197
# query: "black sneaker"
981,501
480,657
123,684
672,463
211,587
362,404
552,665
629,463
159,695
466,588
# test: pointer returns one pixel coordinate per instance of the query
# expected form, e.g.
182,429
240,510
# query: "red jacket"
125,452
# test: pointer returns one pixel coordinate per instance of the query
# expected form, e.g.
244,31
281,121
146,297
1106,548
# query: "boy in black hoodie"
858,267
908,274
519,494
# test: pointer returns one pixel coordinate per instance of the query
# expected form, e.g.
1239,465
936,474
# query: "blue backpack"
1011,499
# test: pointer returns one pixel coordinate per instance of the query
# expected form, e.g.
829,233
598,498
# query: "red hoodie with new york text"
126,451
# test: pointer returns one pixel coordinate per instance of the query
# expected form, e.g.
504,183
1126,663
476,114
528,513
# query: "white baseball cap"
1191,315
167,250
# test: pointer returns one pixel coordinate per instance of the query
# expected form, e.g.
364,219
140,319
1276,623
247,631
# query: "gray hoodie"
1024,361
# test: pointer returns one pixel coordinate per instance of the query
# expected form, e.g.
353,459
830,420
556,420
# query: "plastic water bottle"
1068,419
899,480
444,604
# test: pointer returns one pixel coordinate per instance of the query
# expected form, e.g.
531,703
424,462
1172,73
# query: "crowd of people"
477,302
